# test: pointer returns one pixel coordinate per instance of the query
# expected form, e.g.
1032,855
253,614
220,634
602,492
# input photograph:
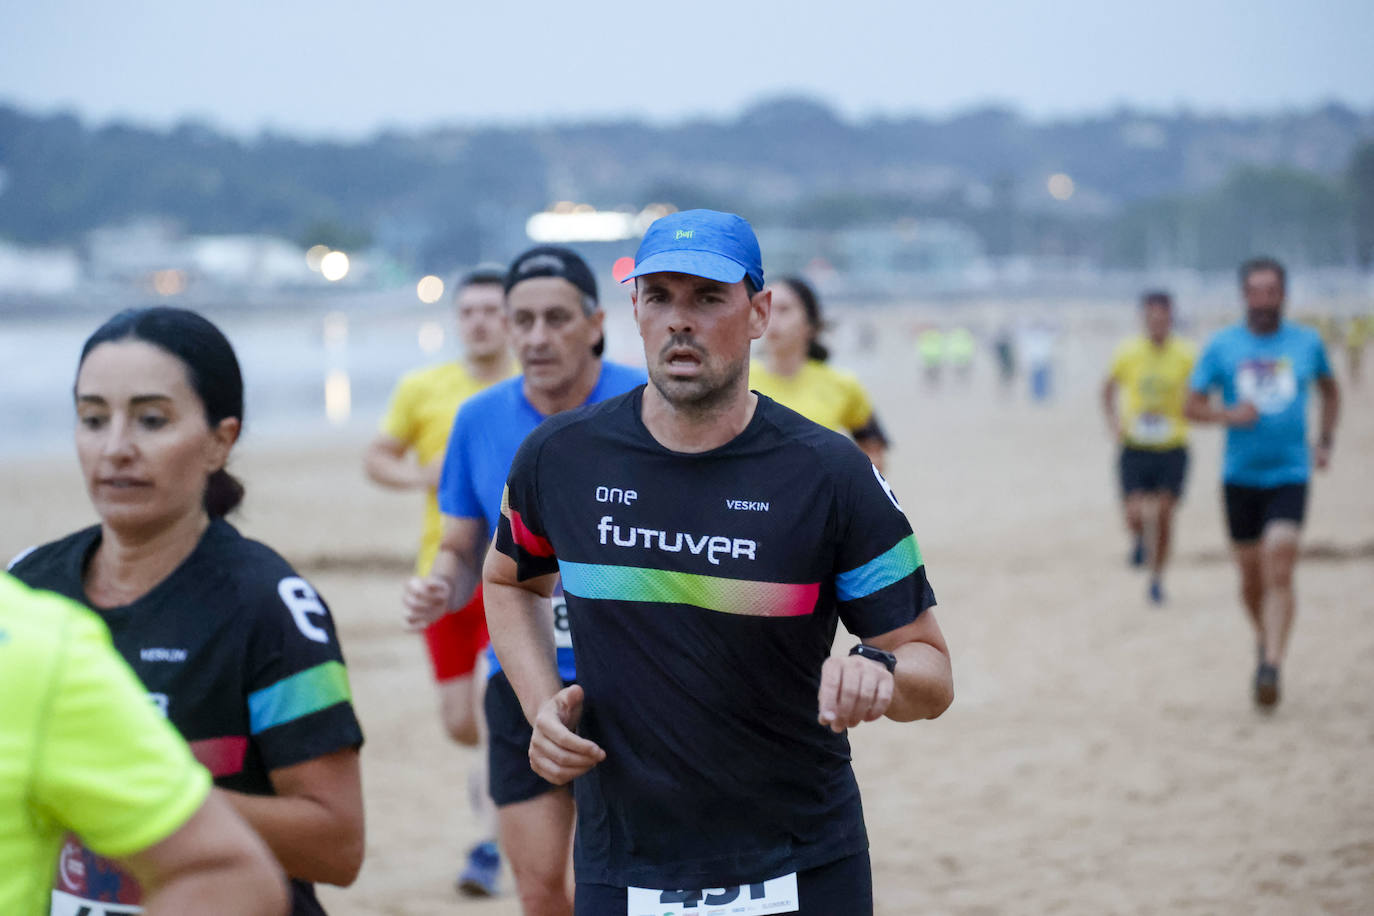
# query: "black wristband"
872,653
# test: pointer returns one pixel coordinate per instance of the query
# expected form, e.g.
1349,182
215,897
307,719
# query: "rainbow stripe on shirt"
297,696
596,581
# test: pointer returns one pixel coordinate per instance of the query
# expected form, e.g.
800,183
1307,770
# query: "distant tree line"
1152,189
1297,215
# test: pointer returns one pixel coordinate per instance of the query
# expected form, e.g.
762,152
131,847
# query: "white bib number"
1268,384
1151,429
776,895
64,904
562,632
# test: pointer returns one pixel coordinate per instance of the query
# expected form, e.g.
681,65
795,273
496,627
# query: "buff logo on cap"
701,243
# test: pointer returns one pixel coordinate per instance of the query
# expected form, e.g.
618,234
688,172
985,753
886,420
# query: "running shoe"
1156,591
1266,686
1138,553
481,877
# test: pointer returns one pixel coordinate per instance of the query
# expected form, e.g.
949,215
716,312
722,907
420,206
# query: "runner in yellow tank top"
418,421
85,750
1143,399
794,372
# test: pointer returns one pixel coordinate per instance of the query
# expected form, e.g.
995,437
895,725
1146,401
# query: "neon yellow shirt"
1357,331
1152,386
960,346
931,346
821,393
82,748
421,415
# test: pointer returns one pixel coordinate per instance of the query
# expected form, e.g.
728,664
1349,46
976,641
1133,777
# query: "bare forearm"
1331,411
521,626
213,857
311,841
235,887
396,471
1200,408
923,684
1109,405
461,569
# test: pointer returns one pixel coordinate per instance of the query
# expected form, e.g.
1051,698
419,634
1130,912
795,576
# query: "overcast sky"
347,69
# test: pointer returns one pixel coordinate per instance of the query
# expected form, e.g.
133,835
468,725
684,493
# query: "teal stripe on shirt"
299,695
894,565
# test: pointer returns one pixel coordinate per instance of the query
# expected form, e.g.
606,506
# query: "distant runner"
960,347
1263,370
930,347
1143,399
417,423
556,330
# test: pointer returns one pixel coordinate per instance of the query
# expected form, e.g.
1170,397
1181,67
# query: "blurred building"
38,271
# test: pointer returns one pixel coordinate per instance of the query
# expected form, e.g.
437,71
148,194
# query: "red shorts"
456,639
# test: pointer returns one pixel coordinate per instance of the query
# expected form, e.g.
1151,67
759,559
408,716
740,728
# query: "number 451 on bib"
777,895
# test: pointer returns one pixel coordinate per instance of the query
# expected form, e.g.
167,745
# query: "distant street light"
430,289
334,266
431,337
314,255
1060,186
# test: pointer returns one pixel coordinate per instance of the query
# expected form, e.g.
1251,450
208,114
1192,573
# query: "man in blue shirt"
1263,370
556,332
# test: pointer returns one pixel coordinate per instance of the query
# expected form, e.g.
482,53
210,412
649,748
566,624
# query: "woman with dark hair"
794,371
237,650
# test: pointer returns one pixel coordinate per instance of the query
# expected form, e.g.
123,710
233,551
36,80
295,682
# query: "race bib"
1151,429
64,904
89,885
1269,384
562,632
776,895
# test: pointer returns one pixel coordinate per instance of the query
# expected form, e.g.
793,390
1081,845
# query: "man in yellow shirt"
83,749
1357,332
418,422
1143,398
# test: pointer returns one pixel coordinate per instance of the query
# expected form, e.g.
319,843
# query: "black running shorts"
840,888
1152,471
1249,509
509,776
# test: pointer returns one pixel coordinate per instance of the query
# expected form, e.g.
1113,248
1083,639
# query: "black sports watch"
886,659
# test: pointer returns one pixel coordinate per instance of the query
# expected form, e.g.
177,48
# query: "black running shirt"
703,593
240,654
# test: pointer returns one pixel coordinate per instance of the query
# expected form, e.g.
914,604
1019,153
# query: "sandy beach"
1101,756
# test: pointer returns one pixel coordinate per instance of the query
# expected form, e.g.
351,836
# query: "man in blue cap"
709,540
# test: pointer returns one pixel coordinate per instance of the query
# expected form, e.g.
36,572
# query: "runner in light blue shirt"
1263,370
